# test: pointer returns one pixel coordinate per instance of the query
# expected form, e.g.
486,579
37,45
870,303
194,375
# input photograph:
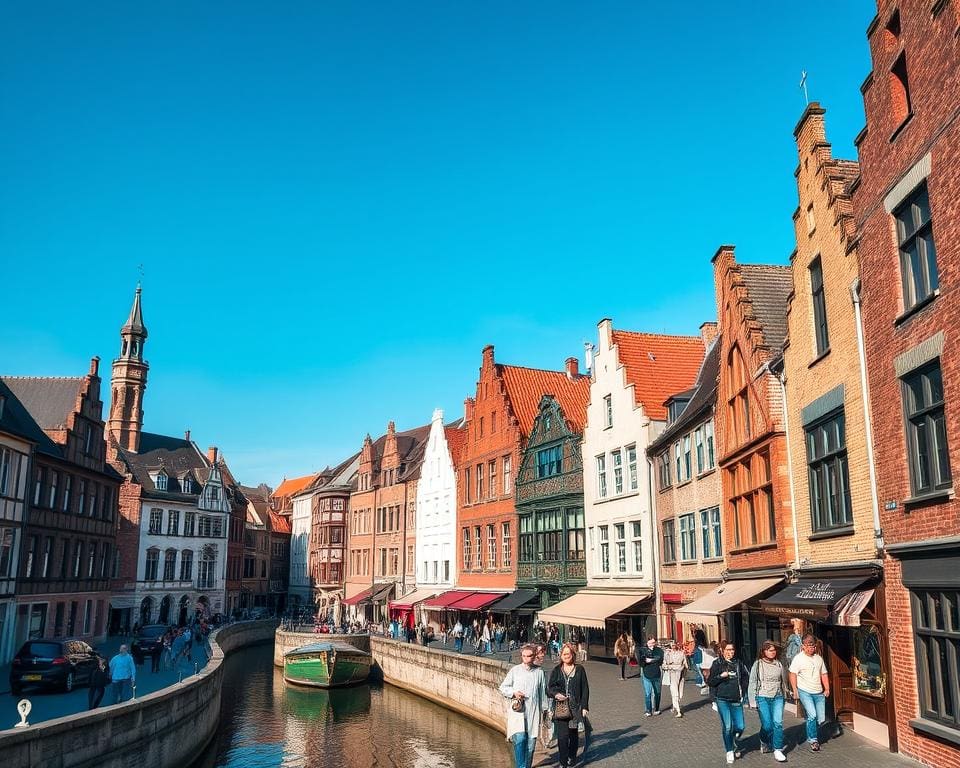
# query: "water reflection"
265,722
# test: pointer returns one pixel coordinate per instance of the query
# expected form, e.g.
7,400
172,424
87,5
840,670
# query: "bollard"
133,687
196,668
179,675
23,707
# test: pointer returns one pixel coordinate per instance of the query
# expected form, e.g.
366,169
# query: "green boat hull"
326,669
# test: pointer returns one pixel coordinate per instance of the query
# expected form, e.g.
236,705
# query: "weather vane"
140,269
803,85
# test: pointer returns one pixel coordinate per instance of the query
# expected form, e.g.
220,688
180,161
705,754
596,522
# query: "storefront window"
868,674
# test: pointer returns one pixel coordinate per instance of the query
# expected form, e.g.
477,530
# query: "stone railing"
167,727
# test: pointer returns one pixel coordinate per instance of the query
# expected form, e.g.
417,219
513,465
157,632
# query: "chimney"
573,368
94,366
708,332
468,404
186,435
588,356
488,355
212,454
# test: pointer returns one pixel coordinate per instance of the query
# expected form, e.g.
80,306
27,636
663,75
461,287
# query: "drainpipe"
868,424
655,533
782,378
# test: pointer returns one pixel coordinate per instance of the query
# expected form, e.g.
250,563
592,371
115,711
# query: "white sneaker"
779,756
714,705
730,758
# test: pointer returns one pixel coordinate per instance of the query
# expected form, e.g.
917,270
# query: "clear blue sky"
337,205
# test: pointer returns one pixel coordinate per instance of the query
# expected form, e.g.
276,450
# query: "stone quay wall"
287,641
165,728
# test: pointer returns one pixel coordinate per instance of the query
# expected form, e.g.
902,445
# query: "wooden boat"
326,665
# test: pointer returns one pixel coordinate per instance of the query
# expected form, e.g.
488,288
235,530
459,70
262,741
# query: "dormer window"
675,409
186,484
160,480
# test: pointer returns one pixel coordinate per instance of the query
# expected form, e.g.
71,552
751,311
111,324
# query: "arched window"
186,565
169,564
153,563
738,399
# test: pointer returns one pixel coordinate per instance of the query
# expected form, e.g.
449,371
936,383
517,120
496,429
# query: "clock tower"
129,380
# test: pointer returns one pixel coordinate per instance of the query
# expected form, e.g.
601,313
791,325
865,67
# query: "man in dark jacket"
729,678
651,661
99,680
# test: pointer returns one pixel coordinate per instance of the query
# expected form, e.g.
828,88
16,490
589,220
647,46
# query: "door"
837,649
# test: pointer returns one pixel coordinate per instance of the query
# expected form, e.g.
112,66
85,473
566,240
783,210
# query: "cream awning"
726,596
591,608
417,596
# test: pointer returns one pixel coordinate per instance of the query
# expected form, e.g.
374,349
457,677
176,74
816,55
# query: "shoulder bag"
561,709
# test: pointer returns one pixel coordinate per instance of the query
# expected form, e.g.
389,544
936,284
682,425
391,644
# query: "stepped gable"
526,387
702,395
658,366
49,399
768,288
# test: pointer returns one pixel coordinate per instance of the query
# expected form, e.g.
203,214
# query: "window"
492,479
481,427
604,549
91,558
918,256
6,470
711,459
663,465
528,550
549,461
632,467
678,461
493,422
811,220
687,466
507,550
491,546
52,498
207,567
507,478
608,411
467,550
44,562
479,482
688,537
186,565
156,518
602,476
926,430
698,445
738,406
338,505
819,307
161,482
92,504
169,564
575,535
38,485
669,547
549,535
751,505
6,551
619,531
478,546
466,485
827,472
67,497
710,538
173,522
188,518
636,543
153,562
936,621
77,557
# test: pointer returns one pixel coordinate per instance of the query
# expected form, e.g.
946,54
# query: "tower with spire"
129,380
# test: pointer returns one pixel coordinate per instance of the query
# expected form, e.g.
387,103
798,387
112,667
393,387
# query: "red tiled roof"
527,386
279,523
293,485
456,437
658,366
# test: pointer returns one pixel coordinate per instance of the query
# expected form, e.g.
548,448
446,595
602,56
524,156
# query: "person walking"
123,674
99,680
526,688
485,637
623,649
569,686
458,637
811,685
766,693
155,653
651,664
674,672
729,679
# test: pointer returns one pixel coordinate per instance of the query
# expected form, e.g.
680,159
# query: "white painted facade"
191,537
436,513
300,520
616,556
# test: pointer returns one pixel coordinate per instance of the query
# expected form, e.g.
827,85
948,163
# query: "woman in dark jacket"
729,680
568,682
99,680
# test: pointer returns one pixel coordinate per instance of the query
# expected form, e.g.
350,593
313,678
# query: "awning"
513,600
407,602
726,596
355,599
444,600
475,601
120,602
592,608
380,592
810,598
846,613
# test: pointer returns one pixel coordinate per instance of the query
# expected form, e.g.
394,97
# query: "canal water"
265,722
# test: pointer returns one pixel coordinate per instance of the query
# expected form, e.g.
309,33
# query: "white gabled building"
301,587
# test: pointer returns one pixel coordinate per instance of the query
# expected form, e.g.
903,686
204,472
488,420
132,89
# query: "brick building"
837,589
752,451
327,558
905,210
684,457
255,577
69,536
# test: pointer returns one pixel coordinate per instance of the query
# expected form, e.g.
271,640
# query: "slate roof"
49,399
658,366
177,456
703,396
527,386
16,420
411,446
768,287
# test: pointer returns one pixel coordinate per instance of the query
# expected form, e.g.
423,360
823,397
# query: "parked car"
149,637
58,663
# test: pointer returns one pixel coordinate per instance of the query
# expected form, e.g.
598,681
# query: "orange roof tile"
279,523
658,366
456,437
293,485
527,386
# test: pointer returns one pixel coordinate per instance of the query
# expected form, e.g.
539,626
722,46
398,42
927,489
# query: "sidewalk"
48,705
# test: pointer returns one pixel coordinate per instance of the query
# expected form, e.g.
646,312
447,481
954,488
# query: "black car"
148,640
61,664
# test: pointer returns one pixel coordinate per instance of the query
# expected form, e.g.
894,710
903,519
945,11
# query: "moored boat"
326,665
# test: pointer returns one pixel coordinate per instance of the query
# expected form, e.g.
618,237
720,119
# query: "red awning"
445,600
476,600
358,597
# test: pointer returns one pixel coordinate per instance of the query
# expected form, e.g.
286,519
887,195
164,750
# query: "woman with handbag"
570,692
674,671
623,652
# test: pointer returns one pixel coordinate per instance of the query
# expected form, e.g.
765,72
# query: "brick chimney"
212,454
488,355
708,332
468,404
95,366
573,367
186,435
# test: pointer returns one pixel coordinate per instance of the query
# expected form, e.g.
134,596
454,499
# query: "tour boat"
326,665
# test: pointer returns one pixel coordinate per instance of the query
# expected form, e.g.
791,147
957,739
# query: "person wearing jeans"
651,664
811,685
766,692
729,680
525,686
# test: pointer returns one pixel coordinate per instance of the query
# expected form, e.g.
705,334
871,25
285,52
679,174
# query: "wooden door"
837,658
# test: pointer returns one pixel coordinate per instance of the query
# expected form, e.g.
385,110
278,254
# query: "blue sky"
337,205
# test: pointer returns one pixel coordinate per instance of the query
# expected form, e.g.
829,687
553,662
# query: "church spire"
129,380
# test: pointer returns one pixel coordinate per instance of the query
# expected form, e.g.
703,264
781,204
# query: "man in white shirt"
526,686
811,685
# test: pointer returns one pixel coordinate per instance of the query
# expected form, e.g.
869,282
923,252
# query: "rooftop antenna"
803,85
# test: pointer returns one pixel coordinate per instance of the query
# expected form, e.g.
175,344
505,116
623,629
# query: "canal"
265,722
